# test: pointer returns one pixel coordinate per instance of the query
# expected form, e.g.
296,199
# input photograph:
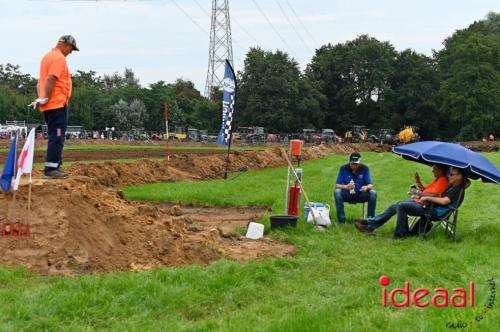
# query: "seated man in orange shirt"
414,205
435,188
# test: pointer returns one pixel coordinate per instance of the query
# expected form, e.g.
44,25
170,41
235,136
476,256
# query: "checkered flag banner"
228,99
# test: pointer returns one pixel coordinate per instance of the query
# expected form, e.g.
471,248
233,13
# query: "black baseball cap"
69,39
355,158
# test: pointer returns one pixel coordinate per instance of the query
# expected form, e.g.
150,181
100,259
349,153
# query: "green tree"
354,77
410,99
89,101
154,98
17,90
271,94
128,116
116,80
11,77
469,95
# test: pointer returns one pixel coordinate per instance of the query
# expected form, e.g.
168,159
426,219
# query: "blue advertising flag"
228,98
8,169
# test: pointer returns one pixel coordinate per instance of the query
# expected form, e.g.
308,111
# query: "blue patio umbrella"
474,165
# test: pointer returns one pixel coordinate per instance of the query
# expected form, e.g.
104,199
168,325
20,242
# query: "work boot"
362,221
397,237
363,227
55,174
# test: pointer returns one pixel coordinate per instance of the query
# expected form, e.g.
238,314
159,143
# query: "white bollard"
255,231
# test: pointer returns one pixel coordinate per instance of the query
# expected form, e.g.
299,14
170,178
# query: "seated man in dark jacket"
453,196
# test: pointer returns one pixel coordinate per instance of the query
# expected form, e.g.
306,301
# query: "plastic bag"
322,215
306,208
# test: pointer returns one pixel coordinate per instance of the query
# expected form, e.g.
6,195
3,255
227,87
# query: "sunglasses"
453,174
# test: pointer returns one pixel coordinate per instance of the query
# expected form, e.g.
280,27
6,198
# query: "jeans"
57,123
341,196
403,210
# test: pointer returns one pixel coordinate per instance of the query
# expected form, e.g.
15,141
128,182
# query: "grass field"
330,285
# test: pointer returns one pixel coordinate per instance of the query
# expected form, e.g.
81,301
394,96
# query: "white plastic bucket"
255,231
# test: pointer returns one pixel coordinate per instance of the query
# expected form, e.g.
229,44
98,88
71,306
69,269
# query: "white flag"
25,161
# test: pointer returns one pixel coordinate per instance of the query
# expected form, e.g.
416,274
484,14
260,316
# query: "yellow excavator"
408,135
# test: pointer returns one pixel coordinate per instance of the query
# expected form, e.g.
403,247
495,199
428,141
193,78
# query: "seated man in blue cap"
354,185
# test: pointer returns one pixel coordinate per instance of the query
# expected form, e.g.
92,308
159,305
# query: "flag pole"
15,174
165,115
29,201
228,151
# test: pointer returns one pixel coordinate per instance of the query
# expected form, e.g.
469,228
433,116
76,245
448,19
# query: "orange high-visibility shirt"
437,186
54,63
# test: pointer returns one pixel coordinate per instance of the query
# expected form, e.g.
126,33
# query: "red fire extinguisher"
294,196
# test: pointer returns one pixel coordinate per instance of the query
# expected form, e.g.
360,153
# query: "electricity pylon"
221,45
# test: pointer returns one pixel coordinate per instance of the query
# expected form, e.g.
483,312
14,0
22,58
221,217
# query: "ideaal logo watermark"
439,298
478,317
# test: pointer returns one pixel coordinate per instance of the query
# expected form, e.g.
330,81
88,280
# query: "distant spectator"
491,137
348,136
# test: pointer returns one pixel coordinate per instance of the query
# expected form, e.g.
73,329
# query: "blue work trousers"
341,196
57,123
402,210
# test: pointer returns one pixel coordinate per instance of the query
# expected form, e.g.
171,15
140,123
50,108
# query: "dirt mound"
77,226
190,166
482,146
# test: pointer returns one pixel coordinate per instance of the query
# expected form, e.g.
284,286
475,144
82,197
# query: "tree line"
453,94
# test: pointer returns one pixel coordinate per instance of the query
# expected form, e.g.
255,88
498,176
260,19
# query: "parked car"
311,136
204,137
328,136
193,135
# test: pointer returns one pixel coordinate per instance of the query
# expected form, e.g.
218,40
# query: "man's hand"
39,101
419,181
413,191
364,189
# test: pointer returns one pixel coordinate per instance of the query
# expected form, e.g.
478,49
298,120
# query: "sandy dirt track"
84,224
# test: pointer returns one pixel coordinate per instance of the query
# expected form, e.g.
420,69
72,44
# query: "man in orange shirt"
414,206
435,188
54,92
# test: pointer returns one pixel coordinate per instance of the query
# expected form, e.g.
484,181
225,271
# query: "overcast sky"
160,42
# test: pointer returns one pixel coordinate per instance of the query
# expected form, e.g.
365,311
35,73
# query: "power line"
245,31
233,21
301,23
189,17
293,26
196,23
272,26
202,8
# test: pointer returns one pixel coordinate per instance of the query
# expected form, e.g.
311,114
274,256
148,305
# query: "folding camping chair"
448,221
446,216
